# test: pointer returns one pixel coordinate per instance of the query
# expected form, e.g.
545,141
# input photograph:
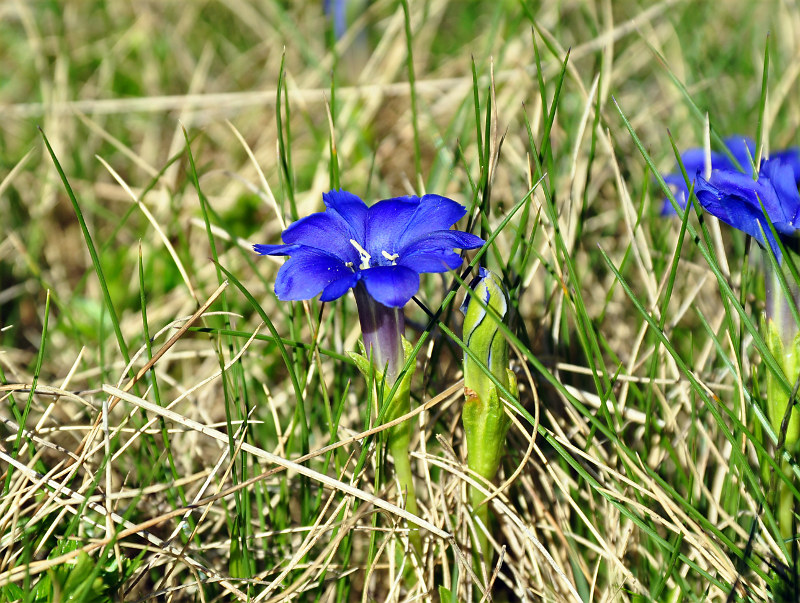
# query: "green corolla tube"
485,421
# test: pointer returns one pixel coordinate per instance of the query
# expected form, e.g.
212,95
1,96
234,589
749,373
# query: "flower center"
362,253
366,257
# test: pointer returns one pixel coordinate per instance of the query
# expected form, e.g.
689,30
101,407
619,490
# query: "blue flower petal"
441,240
339,287
694,161
740,215
323,230
791,157
737,199
386,222
392,286
434,212
274,249
307,272
349,208
431,261
679,190
739,189
781,176
434,252
744,151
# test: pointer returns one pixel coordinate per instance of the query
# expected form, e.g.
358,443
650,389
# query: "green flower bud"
484,418
788,358
783,339
485,421
482,335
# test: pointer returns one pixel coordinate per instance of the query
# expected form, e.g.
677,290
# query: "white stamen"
365,257
391,257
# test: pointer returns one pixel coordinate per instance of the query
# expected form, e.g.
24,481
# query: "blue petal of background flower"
386,246
737,199
335,10
743,150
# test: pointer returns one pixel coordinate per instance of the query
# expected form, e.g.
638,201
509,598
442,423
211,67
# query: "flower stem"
481,511
402,469
386,354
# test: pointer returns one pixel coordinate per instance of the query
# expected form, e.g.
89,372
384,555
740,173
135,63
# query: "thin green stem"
402,468
481,512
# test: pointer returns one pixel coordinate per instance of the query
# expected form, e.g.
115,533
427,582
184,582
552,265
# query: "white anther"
391,257
362,253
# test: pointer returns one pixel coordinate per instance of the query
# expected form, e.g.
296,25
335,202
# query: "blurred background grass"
118,81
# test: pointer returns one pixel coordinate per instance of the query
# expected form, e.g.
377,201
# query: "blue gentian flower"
743,150
737,199
385,247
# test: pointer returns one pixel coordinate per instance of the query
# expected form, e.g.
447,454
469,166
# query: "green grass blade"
283,150
762,105
412,89
36,371
98,268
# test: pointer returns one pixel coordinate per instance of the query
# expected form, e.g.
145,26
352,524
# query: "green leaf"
447,596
